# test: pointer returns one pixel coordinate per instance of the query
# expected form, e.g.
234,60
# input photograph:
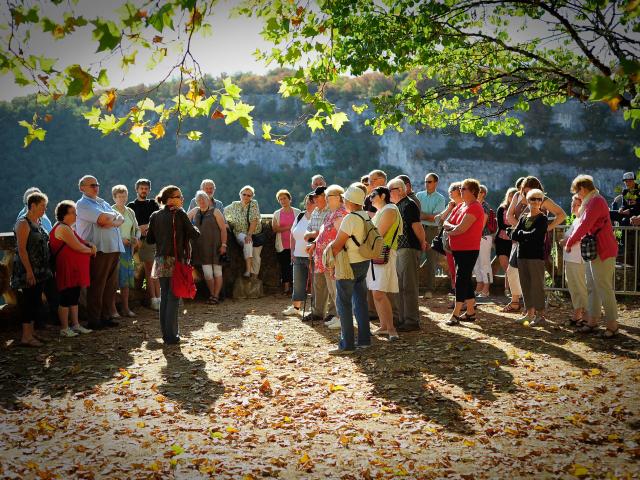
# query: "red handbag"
182,284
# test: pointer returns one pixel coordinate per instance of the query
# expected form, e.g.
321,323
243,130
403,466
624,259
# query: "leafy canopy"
463,63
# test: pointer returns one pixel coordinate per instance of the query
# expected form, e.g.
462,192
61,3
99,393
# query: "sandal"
454,320
586,328
465,317
213,300
608,333
512,307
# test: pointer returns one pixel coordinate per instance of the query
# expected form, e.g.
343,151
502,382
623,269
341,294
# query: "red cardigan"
595,220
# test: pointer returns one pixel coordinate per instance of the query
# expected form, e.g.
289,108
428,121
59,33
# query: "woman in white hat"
352,292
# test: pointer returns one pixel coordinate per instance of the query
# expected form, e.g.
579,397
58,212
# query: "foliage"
436,64
462,63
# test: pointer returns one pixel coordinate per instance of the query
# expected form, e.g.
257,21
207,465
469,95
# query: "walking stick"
307,291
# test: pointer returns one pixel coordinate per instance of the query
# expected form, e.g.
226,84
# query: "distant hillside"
558,143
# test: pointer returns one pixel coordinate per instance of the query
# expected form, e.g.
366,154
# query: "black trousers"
286,269
30,303
465,261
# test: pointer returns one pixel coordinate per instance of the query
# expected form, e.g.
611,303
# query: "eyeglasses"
429,181
247,195
536,199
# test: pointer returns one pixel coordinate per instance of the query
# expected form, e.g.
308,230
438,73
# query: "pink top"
469,240
286,220
595,220
326,236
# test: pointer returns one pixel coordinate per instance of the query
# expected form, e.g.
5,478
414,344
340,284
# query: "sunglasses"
247,195
394,188
428,181
536,199
93,185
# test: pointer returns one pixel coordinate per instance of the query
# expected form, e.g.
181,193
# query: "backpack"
372,244
492,222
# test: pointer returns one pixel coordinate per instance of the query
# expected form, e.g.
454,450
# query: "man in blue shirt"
431,203
98,223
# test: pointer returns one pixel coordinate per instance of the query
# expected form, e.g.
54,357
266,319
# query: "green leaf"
177,449
139,136
103,80
107,34
637,151
315,123
194,135
266,131
93,116
232,90
33,133
162,18
81,82
337,120
227,102
602,88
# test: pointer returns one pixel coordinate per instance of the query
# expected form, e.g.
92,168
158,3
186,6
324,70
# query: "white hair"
28,192
334,189
207,181
247,187
397,183
202,194
83,179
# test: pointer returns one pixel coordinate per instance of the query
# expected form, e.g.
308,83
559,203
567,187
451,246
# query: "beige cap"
354,195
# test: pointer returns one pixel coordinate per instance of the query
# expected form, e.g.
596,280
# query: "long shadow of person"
65,366
186,382
425,373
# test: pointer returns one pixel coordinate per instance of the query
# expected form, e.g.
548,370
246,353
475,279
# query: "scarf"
588,197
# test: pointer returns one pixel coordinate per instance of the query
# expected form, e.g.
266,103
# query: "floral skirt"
126,269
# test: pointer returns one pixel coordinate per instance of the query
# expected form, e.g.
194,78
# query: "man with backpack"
362,242
410,244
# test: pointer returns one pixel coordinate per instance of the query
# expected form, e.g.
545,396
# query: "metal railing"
626,275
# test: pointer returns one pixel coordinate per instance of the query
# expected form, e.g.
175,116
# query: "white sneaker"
335,324
67,332
291,310
155,304
81,329
330,321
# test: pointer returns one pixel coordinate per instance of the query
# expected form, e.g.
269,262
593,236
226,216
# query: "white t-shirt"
297,233
354,226
574,256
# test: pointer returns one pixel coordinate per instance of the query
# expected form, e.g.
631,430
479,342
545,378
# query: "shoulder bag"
182,284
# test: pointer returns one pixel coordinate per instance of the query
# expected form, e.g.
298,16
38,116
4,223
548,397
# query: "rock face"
559,143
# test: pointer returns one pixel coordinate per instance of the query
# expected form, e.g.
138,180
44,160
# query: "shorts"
146,252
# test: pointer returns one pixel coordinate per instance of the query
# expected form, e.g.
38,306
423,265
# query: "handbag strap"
175,245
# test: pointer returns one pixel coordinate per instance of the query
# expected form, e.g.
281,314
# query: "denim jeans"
354,290
300,275
168,311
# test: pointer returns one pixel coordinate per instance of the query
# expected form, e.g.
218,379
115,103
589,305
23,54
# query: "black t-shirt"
631,200
530,234
410,214
143,209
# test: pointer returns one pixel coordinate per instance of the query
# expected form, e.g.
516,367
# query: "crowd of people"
357,249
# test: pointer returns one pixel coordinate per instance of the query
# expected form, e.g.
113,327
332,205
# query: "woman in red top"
464,229
593,218
71,254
